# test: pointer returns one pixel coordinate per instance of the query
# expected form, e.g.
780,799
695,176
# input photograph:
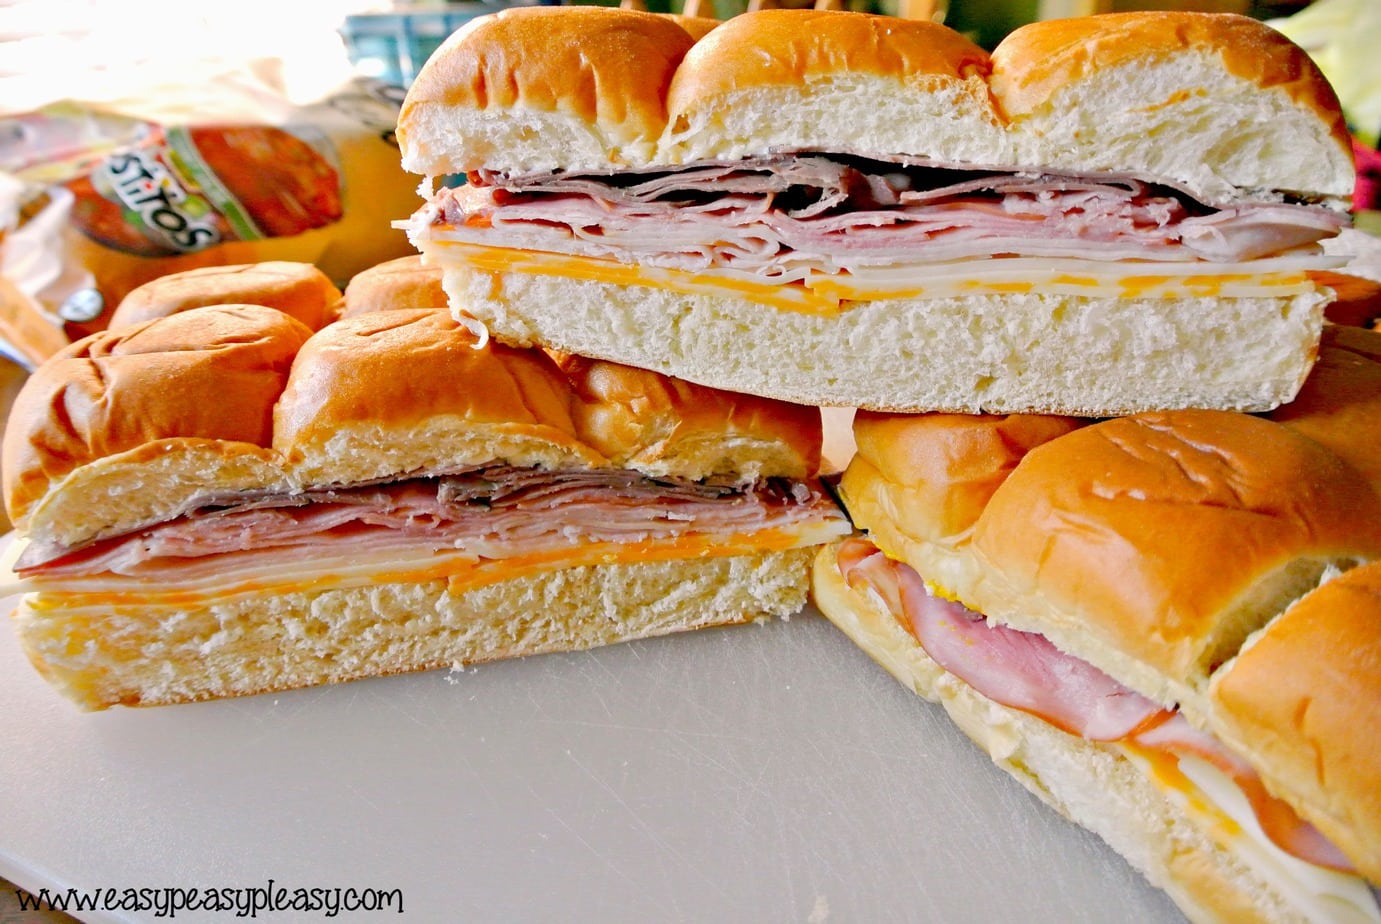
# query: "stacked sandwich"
669,251
1115,217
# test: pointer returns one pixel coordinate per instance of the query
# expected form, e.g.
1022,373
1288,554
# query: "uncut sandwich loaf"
1167,626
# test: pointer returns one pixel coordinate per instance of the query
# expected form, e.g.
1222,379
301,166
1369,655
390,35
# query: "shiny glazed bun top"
1221,105
127,427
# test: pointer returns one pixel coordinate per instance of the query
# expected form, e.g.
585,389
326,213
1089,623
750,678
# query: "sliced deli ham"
1025,671
496,508
1018,669
837,214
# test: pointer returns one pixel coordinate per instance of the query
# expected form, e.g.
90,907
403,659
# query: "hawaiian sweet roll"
221,502
1149,622
1106,215
298,289
404,282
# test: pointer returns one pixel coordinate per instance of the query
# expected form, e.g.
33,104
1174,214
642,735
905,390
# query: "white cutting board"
763,773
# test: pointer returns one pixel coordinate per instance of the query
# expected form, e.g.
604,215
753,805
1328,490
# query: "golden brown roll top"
664,426
296,289
536,88
1152,546
406,282
798,47
1301,702
127,427
936,472
1221,104
1034,63
411,391
1148,90
408,391
826,79
1356,300
190,395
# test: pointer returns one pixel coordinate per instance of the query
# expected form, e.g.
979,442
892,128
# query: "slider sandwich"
1167,626
222,502
1105,215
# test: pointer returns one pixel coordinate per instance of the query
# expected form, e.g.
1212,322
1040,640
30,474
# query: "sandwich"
222,502
1167,626
1105,215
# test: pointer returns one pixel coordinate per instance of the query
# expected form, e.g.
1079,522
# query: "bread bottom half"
101,656
993,352
1092,784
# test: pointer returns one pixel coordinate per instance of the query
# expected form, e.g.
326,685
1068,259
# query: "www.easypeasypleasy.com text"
240,901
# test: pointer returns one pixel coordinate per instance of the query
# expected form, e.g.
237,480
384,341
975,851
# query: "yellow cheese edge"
462,570
826,294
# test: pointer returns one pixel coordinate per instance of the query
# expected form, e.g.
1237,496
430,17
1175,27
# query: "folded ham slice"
1026,672
1018,669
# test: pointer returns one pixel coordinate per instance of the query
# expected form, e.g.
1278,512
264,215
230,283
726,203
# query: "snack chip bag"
98,198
